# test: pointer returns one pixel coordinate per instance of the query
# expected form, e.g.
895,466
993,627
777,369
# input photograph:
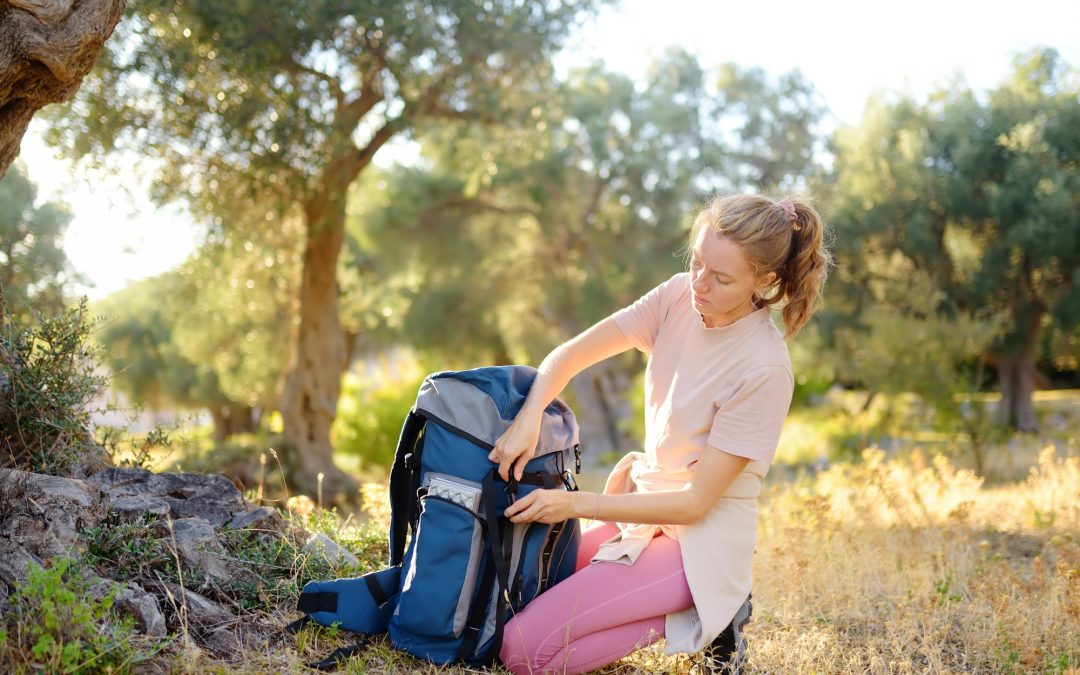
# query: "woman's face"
722,282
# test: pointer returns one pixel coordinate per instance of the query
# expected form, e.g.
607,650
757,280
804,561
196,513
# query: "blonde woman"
670,549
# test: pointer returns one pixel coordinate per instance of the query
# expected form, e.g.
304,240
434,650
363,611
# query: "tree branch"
335,85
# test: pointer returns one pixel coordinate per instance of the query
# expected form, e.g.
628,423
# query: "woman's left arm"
713,475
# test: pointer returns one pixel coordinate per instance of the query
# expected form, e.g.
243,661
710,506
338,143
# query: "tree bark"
313,384
1017,380
46,49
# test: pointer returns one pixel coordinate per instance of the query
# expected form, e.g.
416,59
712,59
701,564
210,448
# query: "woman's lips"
698,299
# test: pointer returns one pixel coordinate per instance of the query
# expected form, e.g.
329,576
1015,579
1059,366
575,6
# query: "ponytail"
786,237
806,268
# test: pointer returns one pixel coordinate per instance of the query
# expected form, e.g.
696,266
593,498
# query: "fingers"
519,505
509,460
526,509
504,467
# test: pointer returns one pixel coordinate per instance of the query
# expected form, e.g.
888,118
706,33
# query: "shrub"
57,625
47,383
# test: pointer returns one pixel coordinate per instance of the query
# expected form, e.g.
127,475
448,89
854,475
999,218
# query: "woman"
670,550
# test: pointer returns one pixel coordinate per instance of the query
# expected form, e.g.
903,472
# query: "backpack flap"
481,404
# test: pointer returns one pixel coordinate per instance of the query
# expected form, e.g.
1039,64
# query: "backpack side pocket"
438,586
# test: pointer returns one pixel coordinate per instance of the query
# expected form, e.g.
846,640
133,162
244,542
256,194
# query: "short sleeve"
748,424
641,321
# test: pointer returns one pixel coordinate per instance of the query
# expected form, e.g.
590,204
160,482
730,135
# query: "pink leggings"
599,614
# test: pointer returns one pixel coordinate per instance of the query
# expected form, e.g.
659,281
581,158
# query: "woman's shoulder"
767,349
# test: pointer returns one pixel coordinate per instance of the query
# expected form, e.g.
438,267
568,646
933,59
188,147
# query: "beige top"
728,388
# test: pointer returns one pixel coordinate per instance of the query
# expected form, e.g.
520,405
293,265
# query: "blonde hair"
793,248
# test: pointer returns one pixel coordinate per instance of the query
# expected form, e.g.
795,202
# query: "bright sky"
847,49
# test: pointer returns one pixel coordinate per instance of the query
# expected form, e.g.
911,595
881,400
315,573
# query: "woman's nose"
697,283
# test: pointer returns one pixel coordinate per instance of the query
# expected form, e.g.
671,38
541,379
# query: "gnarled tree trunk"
313,385
46,49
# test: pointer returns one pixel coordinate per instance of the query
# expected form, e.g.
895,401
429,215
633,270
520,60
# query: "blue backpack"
447,595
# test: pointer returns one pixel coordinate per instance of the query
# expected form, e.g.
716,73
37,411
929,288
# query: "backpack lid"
483,402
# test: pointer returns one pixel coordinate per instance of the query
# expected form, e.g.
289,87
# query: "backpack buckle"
510,489
569,482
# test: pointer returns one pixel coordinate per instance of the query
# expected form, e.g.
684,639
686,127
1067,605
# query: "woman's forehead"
720,253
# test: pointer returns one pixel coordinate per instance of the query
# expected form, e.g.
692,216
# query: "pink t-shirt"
727,387
706,389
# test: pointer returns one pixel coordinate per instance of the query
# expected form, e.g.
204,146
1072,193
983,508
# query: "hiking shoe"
726,655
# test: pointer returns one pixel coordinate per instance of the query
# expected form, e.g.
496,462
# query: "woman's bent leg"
605,646
599,614
591,538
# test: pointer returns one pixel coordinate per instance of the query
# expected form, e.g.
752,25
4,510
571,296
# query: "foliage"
59,622
131,550
33,268
240,325
372,409
138,347
49,377
172,344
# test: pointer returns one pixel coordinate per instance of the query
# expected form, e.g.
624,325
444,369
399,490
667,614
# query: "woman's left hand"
544,506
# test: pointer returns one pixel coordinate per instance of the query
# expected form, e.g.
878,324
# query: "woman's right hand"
517,445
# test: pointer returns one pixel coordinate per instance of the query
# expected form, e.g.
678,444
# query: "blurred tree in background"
34,270
256,115
962,211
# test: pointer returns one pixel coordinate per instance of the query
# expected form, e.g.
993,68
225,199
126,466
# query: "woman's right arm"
517,446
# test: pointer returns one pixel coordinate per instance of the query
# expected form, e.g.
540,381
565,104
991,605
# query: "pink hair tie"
789,209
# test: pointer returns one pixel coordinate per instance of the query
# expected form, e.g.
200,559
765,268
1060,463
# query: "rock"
198,547
320,544
47,514
13,562
211,624
133,600
261,518
189,495
128,509
184,604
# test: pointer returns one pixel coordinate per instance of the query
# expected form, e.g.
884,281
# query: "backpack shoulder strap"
404,480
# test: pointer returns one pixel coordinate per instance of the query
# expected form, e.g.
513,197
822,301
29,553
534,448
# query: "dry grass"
896,567
883,566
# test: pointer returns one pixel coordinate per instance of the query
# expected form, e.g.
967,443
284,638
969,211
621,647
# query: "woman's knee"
591,538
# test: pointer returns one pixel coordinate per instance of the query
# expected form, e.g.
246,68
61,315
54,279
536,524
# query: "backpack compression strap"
404,478
500,556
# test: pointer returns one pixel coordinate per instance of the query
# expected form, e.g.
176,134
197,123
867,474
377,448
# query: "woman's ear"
766,280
